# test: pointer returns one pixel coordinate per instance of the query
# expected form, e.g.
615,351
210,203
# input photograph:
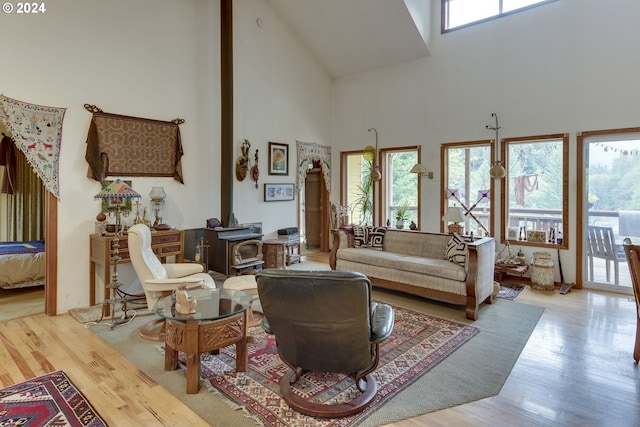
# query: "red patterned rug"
510,291
50,400
418,343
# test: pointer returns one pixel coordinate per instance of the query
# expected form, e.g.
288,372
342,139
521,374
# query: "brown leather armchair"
325,321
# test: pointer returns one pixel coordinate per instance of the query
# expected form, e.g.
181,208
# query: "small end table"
220,320
501,270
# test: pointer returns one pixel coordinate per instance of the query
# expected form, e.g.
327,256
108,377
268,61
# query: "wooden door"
316,211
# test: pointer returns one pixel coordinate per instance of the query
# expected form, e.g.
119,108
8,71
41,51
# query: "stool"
247,283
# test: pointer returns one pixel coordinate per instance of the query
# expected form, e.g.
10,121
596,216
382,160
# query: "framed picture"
537,236
278,192
108,205
278,158
512,234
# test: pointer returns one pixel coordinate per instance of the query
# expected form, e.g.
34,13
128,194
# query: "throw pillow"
348,230
376,237
457,249
360,236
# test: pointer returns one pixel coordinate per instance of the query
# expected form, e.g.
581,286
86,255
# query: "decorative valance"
307,153
131,146
37,132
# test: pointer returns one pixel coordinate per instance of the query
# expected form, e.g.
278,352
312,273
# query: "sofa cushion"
360,236
376,237
457,249
400,262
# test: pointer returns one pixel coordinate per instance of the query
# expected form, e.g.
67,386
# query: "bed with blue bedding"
21,264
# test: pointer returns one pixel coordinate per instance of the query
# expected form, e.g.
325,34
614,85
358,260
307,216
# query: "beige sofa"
417,263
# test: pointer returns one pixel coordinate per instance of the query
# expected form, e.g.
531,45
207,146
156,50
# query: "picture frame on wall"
278,192
278,158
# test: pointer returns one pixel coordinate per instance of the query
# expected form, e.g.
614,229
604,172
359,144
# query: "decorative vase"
542,271
400,224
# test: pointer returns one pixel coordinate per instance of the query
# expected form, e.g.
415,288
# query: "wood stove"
234,250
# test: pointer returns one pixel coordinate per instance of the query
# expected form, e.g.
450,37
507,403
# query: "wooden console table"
164,243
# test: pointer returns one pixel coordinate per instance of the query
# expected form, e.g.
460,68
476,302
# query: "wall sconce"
421,170
454,215
371,154
158,207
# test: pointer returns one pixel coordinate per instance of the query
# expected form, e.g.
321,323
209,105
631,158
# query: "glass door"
612,208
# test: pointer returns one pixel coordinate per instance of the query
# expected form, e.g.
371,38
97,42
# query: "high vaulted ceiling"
354,36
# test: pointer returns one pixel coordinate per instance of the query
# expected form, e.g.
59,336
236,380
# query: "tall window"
535,190
467,184
400,188
461,13
357,189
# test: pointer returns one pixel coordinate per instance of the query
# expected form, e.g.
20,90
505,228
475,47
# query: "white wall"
280,95
568,66
147,58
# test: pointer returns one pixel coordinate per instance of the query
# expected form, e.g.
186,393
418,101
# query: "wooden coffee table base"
194,337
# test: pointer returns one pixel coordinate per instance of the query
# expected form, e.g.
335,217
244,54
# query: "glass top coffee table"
220,320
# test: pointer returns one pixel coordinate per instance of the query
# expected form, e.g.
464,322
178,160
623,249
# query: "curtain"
24,210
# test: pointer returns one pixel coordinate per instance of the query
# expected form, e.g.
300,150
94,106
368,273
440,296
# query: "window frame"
384,185
504,225
444,178
444,14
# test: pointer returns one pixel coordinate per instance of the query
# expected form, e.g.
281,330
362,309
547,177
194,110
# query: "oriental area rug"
50,400
510,291
418,343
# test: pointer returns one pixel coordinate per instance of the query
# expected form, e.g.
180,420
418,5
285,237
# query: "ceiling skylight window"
461,13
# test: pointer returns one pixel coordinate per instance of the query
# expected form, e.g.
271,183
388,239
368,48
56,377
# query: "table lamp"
454,215
116,193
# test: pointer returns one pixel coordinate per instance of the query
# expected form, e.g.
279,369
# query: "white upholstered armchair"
157,278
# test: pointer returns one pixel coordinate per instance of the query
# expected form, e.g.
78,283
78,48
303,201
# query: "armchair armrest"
172,283
382,318
182,269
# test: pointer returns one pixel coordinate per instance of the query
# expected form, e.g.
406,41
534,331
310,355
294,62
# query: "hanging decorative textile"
307,152
131,146
522,183
37,132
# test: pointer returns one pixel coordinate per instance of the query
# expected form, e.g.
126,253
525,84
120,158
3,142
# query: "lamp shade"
117,190
419,169
157,193
454,214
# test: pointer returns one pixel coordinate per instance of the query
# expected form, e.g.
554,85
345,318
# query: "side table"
500,271
274,253
220,320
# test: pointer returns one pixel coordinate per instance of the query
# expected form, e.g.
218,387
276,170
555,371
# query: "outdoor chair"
325,321
601,244
633,260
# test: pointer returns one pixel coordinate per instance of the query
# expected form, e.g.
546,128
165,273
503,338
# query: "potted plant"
402,214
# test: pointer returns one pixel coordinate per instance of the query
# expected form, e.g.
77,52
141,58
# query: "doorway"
610,206
316,211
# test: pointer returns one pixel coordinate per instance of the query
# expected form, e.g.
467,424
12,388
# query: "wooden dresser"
164,243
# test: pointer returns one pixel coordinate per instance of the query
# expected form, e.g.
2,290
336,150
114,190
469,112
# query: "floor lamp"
116,194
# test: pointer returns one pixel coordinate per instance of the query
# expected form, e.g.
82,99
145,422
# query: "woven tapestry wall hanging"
37,132
131,146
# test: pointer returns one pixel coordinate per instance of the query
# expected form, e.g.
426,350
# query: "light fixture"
371,153
454,215
421,170
158,207
116,193
497,170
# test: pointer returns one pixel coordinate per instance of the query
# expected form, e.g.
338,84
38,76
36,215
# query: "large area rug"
50,400
418,343
475,371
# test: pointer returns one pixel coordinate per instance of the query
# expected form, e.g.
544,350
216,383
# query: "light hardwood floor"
576,369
